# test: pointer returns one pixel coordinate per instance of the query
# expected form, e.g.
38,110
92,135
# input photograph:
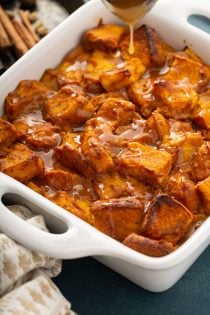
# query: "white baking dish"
74,237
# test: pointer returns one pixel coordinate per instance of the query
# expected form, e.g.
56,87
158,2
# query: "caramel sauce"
130,11
47,158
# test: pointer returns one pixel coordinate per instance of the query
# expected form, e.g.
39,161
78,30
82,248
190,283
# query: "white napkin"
25,284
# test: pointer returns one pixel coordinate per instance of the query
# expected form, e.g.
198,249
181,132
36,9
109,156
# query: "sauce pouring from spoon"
130,11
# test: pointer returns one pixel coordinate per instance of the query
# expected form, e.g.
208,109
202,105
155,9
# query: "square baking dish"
72,237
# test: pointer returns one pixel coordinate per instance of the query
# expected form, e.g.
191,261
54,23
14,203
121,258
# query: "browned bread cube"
104,37
141,93
43,136
98,157
184,190
145,163
148,47
181,68
123,75
204,192
63,180
183,146
201,114
176,101
110,186
27,97
159,124
22,127
166,219
148,246
8,134
118,217
80,208
137,130
66,107
22,163
70,71
70,155
119,111
201,162
98,63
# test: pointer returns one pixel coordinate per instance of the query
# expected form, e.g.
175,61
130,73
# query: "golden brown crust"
22,163
166,219
118,217
148,246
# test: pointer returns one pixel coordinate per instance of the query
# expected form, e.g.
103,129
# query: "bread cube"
96,101
98,63
98,157
27,97
118,217
70,70
201,114
176,101
103,37
71,73
66,107
141,94
183,189
166,219
22,163
123,75
147,246
80,208
49,79
159,124
204,193
110,186
145,163
201,162
183,146
70,155
21,124
181,70
148,47
63,180
43,136
8,134
136,131
118,111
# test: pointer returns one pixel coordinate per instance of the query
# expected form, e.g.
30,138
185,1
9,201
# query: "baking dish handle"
79,239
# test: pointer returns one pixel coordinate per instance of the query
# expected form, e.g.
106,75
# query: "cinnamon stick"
24,33
16,40
4,39
26,22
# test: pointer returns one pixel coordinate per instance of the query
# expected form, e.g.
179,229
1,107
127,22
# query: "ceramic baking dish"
71,237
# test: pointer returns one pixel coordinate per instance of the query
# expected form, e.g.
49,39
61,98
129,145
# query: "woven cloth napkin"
26,287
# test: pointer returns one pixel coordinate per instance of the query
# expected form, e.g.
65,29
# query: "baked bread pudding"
122,141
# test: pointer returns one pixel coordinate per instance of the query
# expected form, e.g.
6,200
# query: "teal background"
94,289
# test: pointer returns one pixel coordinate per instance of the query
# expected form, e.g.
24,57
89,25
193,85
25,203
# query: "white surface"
80,239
